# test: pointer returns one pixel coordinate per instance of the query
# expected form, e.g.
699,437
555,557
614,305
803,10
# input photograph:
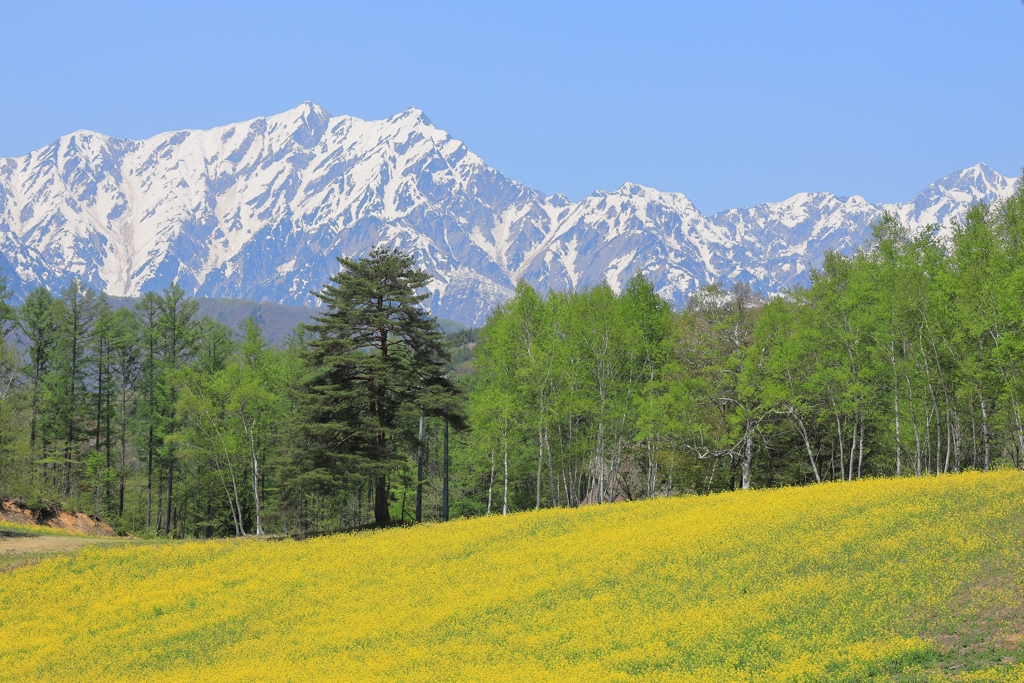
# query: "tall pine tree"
375,355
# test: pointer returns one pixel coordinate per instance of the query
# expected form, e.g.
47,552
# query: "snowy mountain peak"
259,210
314,109
307,111
414,114
636,190
947,199
978,180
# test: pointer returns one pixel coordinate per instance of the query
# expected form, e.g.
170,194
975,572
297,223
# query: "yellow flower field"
836,582
36,529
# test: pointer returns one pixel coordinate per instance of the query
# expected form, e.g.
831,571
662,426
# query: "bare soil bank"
18,512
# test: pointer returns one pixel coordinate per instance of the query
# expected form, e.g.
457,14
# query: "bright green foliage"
90,419
905,358
562,398
8,314
230,420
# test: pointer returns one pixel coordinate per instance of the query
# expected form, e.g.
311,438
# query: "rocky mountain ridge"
259,210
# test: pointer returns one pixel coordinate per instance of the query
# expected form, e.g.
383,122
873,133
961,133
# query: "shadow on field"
348,530
11,533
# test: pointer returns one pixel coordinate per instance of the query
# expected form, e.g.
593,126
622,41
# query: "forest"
898,360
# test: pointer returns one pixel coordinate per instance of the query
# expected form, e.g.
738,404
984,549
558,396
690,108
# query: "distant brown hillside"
277,320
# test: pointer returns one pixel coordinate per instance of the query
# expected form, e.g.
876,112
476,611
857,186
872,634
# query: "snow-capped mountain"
260,209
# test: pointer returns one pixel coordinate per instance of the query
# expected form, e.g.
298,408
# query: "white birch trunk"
504,503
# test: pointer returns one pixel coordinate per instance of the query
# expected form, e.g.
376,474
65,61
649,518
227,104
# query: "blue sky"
731,103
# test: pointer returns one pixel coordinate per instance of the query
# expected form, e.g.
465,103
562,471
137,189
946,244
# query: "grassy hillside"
912,580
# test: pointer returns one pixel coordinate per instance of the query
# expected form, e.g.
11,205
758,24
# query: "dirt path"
18,549
13,542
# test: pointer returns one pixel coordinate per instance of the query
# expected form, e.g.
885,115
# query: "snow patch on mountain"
261,209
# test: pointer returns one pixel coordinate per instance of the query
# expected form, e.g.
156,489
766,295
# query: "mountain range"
259,210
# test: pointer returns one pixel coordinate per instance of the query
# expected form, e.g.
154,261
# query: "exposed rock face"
259,210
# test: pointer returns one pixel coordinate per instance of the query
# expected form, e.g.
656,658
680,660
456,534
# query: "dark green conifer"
375,355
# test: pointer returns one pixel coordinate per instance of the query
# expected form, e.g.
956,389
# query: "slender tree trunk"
36,377
949,440
799,423
929,412
237,504
490,485
540,461
839,440
1020,429
748,456
927,437
551,468
652,470
984,433
208,519
249,425
170,488
108,441
711,477
71,406
124,452
444,469
504,501
256,494
860,456
381,513
149,481
853,444
419,473
896,412
917,433
974,437
159,504
99,400
600,461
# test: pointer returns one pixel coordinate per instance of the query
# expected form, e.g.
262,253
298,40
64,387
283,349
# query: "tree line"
167,423
904,358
